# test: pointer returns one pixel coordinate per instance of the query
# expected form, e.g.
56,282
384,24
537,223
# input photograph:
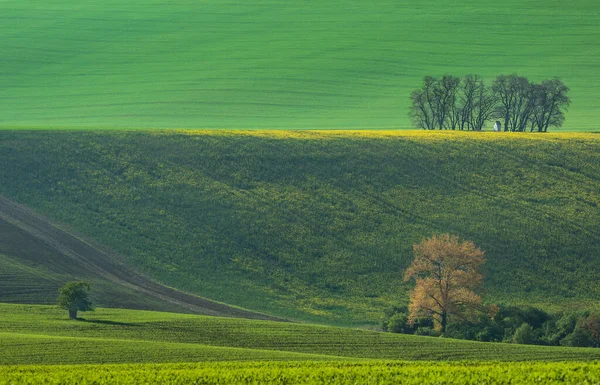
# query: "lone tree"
74,297
445,271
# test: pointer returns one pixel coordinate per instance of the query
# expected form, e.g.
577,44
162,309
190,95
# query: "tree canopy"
74,297
445,270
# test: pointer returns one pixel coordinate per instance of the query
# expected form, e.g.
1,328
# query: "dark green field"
339,64
319,225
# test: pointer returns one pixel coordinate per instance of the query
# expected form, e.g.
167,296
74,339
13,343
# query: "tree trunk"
73,314
444,321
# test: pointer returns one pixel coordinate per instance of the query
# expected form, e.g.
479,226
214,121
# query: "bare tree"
420,112
433,106
522,113
502,88
449,103
423,107
515,101
466,102
448,95
485,103
477,103
550,99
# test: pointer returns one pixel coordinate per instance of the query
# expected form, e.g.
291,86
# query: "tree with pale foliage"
445,270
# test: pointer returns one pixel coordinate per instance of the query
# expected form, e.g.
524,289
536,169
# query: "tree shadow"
106,322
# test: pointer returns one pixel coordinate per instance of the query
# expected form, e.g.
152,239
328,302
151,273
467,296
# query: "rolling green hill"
39,344
36,334
276,63
37,258
319,225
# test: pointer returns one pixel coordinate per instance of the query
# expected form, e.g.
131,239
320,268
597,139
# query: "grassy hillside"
276,63
37,258
319,225
43,335
32,272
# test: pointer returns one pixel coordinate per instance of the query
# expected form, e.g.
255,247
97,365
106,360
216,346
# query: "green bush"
591,324
524,335
556,330
580,338
398,323
427,331
580,329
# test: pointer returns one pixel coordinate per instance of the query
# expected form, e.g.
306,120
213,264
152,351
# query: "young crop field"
34,335
339,373
320,225
276,63
37,258
29,349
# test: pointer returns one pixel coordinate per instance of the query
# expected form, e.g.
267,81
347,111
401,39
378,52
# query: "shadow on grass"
106,322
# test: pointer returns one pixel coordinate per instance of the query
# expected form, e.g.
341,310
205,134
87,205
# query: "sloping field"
30,349
277,63
44,335
37,258
320,225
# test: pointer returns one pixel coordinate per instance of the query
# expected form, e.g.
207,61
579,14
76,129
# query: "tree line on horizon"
454,103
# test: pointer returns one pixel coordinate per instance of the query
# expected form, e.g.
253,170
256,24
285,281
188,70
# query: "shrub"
524,335
427,331
556,331
398,323
580,338
591,325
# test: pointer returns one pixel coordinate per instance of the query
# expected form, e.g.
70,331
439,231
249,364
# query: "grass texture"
276,63
319,226
308,373
36,335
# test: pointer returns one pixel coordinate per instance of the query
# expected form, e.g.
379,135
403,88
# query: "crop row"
40,334
307,373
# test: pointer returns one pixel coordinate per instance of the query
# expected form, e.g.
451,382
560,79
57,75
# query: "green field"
39,344
308,373
32,272
38,335
276,63
318,226
311,227
37,258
